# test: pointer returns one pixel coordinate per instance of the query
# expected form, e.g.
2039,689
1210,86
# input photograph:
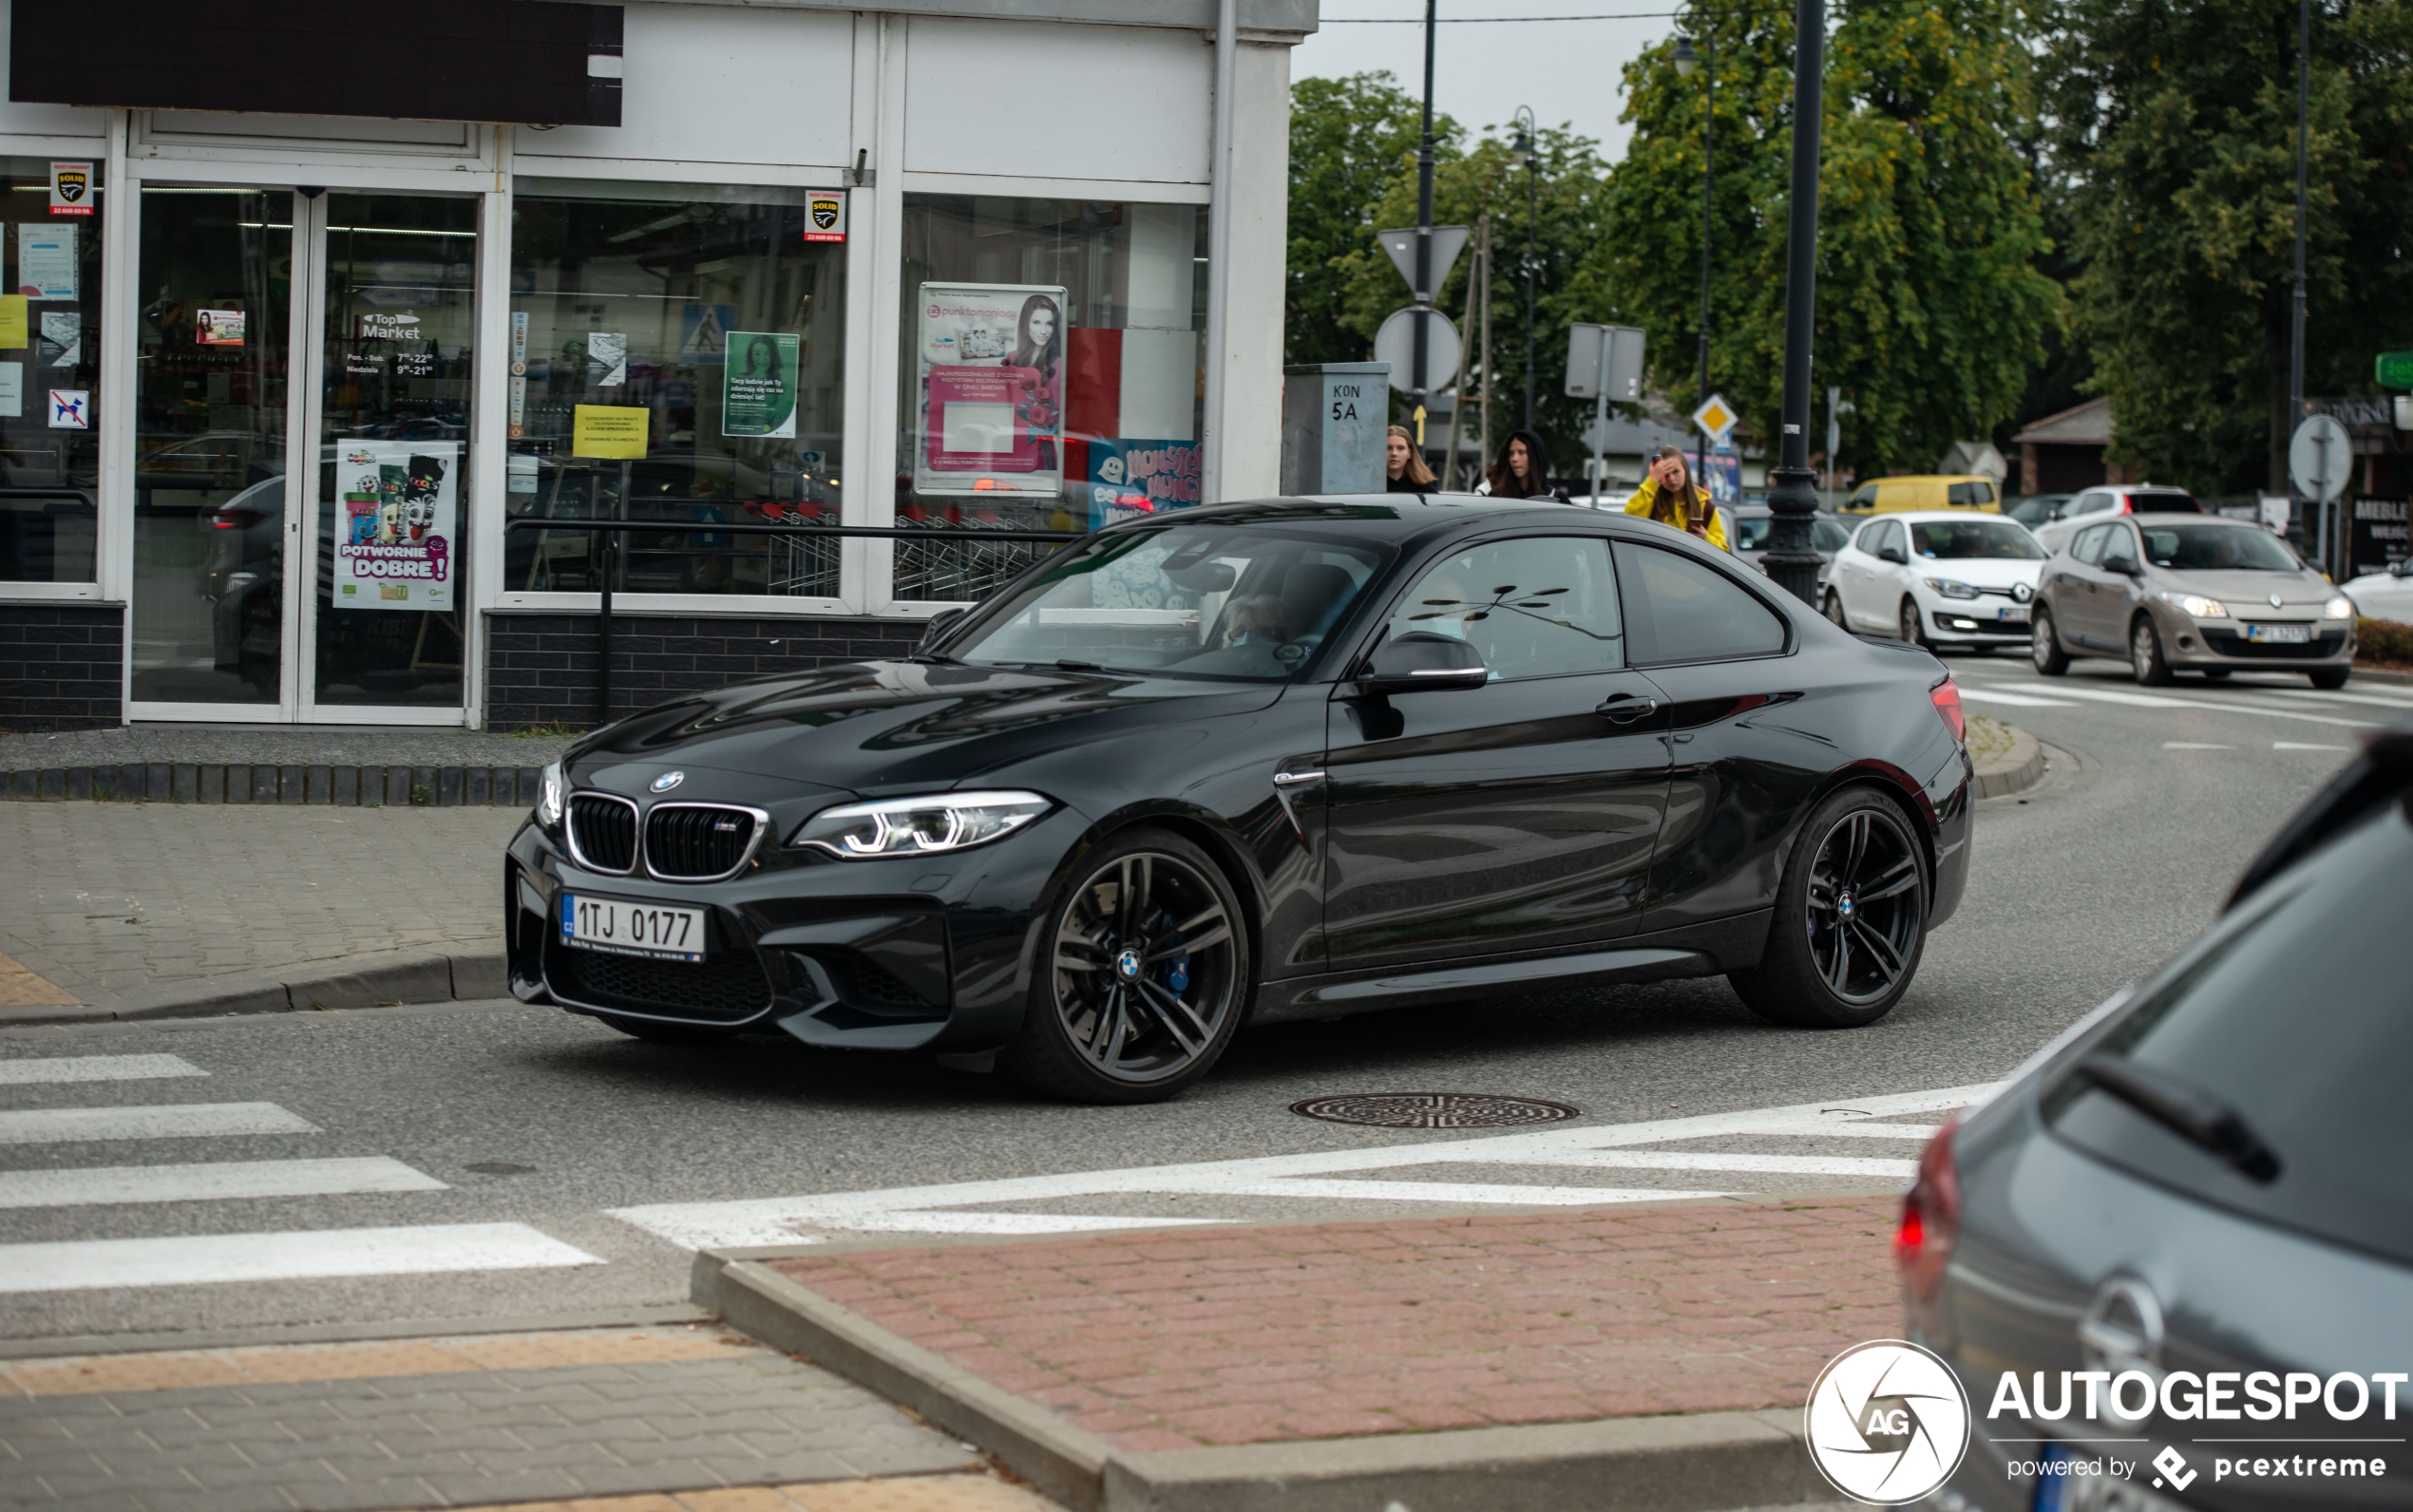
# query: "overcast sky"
1569,72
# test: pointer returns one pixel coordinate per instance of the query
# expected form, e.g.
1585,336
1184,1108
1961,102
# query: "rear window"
2298,1017
2164,501
1678,610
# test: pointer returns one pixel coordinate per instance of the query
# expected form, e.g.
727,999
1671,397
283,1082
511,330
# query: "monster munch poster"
395,542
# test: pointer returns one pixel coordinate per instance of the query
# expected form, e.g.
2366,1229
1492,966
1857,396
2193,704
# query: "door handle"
1296,779
1623,708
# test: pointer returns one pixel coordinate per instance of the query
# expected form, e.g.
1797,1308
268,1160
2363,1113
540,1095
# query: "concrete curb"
341,786
1689,1462
2014,771
354,982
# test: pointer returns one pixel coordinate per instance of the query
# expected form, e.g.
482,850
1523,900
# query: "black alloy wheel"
1146,977
2044,646
1850,918
2144,653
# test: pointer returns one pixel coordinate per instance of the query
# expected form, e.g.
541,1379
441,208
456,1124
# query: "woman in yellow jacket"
1670,497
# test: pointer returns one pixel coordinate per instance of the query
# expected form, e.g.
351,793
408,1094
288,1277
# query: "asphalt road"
496,1141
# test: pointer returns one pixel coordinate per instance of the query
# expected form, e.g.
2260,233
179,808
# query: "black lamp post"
1793,493
1686,62
1525,149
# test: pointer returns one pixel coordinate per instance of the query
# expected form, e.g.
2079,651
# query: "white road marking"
1481,1193
59,1125
94,1068
2297,744
2322,695
1717,1161
2193,745
96,1184
1995,695
196,1259
940,1208
2112,696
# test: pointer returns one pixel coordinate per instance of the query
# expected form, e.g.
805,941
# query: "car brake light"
238,519
1945,695
1931,1217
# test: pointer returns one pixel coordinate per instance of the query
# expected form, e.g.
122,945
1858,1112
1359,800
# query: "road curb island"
2015,771
405,977
1694,1462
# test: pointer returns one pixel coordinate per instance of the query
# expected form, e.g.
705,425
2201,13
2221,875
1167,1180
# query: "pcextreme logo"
1887,1422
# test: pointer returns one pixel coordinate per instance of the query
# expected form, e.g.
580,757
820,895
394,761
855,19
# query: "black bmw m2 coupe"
1255,762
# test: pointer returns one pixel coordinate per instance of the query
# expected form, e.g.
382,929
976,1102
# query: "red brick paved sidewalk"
1172,1341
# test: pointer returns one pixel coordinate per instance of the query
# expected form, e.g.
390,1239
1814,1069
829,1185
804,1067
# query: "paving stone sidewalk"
1159,1341
465,1422
108,899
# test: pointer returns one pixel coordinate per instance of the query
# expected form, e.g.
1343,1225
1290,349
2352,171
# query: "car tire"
2044,646
1145,974
1912,630
2145,660
1825,966
2330,676
1832,606
654,1034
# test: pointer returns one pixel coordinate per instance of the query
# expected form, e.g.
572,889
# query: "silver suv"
2192,594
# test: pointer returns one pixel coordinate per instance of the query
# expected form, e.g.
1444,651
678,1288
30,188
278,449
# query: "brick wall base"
62,666
540,668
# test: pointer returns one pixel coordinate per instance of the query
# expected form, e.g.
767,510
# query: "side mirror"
1421,661
2401,569
2124,566
1893,554
938,627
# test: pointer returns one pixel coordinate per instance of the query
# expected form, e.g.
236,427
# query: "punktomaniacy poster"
991,360
395,542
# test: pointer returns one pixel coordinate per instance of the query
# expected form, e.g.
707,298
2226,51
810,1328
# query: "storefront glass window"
49,369
1051,375
678,353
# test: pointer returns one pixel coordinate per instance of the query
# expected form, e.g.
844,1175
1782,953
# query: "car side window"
1539,606
1869,536
1679,610
2119,540
1866,498
2090,543
1893,537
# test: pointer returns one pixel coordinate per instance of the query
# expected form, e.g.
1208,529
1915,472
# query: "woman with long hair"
1522,469
1670,496
1403,467
1038,343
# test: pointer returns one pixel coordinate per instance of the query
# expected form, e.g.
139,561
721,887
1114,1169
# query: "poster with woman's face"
991,361
758,384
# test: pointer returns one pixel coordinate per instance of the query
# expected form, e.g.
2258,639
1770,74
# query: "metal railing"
613,530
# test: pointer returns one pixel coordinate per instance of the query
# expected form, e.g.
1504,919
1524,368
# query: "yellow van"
1891,496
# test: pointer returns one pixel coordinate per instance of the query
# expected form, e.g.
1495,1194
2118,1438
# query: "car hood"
2250,589
886,728
1979,572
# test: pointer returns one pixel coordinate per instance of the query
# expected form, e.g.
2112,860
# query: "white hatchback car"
2382,595
1937,579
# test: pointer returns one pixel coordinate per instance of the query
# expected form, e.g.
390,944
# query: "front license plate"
2279,635
2012,612
624,928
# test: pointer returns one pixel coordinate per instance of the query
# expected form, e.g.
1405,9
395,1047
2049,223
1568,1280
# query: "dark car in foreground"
2199,1195
1260,761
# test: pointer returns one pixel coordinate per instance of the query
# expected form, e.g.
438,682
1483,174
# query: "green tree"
1931,311
1351,140
2173,125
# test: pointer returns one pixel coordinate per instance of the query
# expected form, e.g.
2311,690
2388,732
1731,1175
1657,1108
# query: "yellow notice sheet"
13,332
596,431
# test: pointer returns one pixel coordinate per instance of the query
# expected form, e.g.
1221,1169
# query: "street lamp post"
1793,496
1424,279
2295,305
1687,61
1526,150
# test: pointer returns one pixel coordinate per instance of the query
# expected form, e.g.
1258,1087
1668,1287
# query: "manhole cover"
1432,1110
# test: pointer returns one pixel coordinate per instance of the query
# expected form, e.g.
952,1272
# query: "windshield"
1247,602
1825,533
2217,548
1975,540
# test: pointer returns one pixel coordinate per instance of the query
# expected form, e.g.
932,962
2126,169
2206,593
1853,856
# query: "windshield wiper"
2185,1109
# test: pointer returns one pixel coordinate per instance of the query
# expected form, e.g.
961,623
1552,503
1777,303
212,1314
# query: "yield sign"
1715,417
1448,241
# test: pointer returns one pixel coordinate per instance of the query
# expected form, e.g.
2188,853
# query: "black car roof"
1404,514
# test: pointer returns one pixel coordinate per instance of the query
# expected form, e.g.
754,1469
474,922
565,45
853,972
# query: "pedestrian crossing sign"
1715,417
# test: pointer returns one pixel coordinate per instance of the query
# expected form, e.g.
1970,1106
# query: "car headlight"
918,826
1950,589
552,796
2340,608
2196,606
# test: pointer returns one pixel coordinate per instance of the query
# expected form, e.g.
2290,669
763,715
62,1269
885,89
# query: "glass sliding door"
212,518
397,326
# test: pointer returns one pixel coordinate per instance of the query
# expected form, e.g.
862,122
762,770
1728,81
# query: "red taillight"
1931,1217
1947,698
238,519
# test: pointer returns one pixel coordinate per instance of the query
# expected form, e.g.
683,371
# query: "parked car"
2145,499
1747,532
1936,579
2199,1191
2176,593
2038,509
1261,762
2387,594
1892,495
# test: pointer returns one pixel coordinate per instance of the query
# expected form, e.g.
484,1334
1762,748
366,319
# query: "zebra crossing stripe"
89,1186
194,1260
33,1070
61,1126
